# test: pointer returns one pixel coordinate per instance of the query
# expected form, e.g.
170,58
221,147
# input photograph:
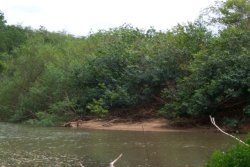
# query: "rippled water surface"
32,146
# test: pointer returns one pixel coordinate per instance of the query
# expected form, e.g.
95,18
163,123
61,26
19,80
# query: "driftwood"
213,122
111,164
81,165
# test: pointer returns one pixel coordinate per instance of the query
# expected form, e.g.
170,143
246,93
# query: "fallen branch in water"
81,165
213,122
113,162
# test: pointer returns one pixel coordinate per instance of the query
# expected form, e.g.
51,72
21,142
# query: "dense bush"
237,156
50,77
218,82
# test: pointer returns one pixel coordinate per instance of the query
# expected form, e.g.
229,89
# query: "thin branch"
213,122
81,165
113,162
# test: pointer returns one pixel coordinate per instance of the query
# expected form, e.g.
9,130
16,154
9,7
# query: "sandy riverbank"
155,125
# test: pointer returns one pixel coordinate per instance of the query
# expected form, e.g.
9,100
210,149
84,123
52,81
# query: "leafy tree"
219,74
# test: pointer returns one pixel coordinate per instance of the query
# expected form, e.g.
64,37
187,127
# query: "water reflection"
29,146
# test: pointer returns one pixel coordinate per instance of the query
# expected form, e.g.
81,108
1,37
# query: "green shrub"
237,156
43,119
98,107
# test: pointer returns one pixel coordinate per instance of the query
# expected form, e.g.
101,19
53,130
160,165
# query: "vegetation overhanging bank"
188,71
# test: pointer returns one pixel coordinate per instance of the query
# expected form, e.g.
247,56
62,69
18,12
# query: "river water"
33,146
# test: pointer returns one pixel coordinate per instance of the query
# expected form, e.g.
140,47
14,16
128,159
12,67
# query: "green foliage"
36,78
232,123
11,36
235,13
2,20
237,156
42,119
247,110
46,78
98,107
218,82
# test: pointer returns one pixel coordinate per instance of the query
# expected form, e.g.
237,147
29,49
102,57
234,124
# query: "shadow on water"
32,146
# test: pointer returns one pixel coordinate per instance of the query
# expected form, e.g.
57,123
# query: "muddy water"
32,146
